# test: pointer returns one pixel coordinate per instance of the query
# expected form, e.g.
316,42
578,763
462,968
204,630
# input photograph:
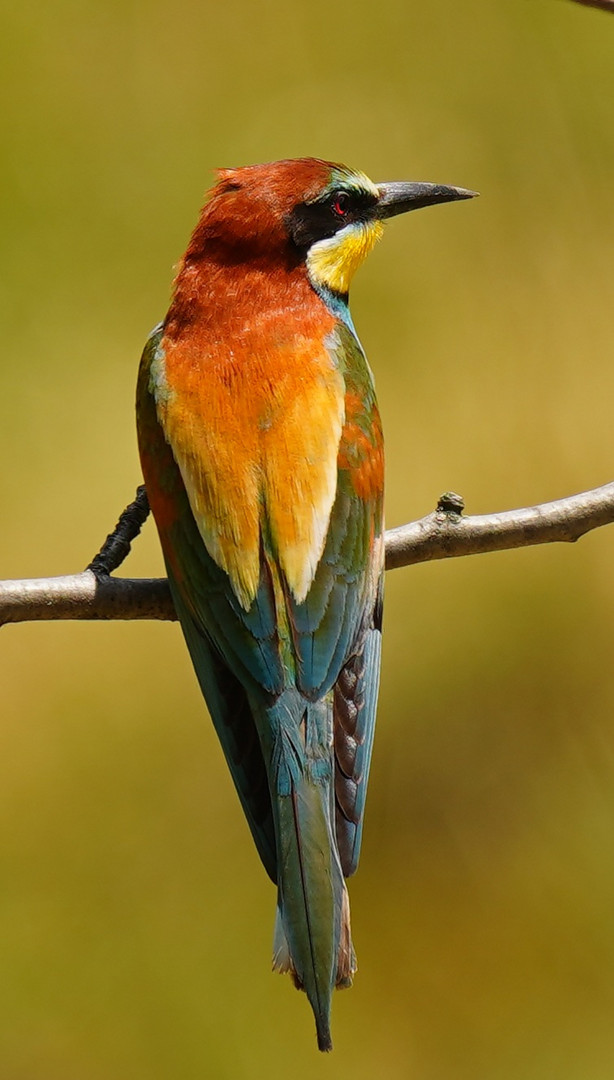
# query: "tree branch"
93,594
85,596
443,534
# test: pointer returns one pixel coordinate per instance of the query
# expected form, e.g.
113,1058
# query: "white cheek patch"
333,262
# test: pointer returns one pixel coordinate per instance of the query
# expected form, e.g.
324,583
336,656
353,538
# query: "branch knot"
451,503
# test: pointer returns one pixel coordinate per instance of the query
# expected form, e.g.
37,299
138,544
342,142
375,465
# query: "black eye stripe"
319,220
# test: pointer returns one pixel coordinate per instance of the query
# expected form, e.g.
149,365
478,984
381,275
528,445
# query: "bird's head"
305,211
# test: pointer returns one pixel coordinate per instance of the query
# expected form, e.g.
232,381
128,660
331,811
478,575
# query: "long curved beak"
400,198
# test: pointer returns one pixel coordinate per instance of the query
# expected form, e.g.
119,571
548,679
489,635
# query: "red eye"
341,204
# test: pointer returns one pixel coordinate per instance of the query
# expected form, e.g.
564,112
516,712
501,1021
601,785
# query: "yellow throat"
333,262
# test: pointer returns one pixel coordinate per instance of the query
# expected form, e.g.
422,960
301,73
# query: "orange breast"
253,407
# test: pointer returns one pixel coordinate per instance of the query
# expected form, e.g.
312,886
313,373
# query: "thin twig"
604,5
444,534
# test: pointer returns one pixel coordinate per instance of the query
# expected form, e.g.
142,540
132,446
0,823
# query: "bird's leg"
117,544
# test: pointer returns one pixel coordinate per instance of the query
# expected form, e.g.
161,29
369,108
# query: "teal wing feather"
234,723
228,647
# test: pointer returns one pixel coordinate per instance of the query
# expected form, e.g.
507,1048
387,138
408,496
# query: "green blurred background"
135,919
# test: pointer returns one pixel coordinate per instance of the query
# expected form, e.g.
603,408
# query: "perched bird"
262,453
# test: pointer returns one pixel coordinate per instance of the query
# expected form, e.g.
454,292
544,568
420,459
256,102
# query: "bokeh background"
135,919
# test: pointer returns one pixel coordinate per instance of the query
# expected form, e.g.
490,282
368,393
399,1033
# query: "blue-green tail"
312,932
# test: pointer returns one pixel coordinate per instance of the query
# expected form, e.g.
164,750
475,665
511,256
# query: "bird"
262,452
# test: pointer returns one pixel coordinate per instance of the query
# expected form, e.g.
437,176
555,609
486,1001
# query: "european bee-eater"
261,447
